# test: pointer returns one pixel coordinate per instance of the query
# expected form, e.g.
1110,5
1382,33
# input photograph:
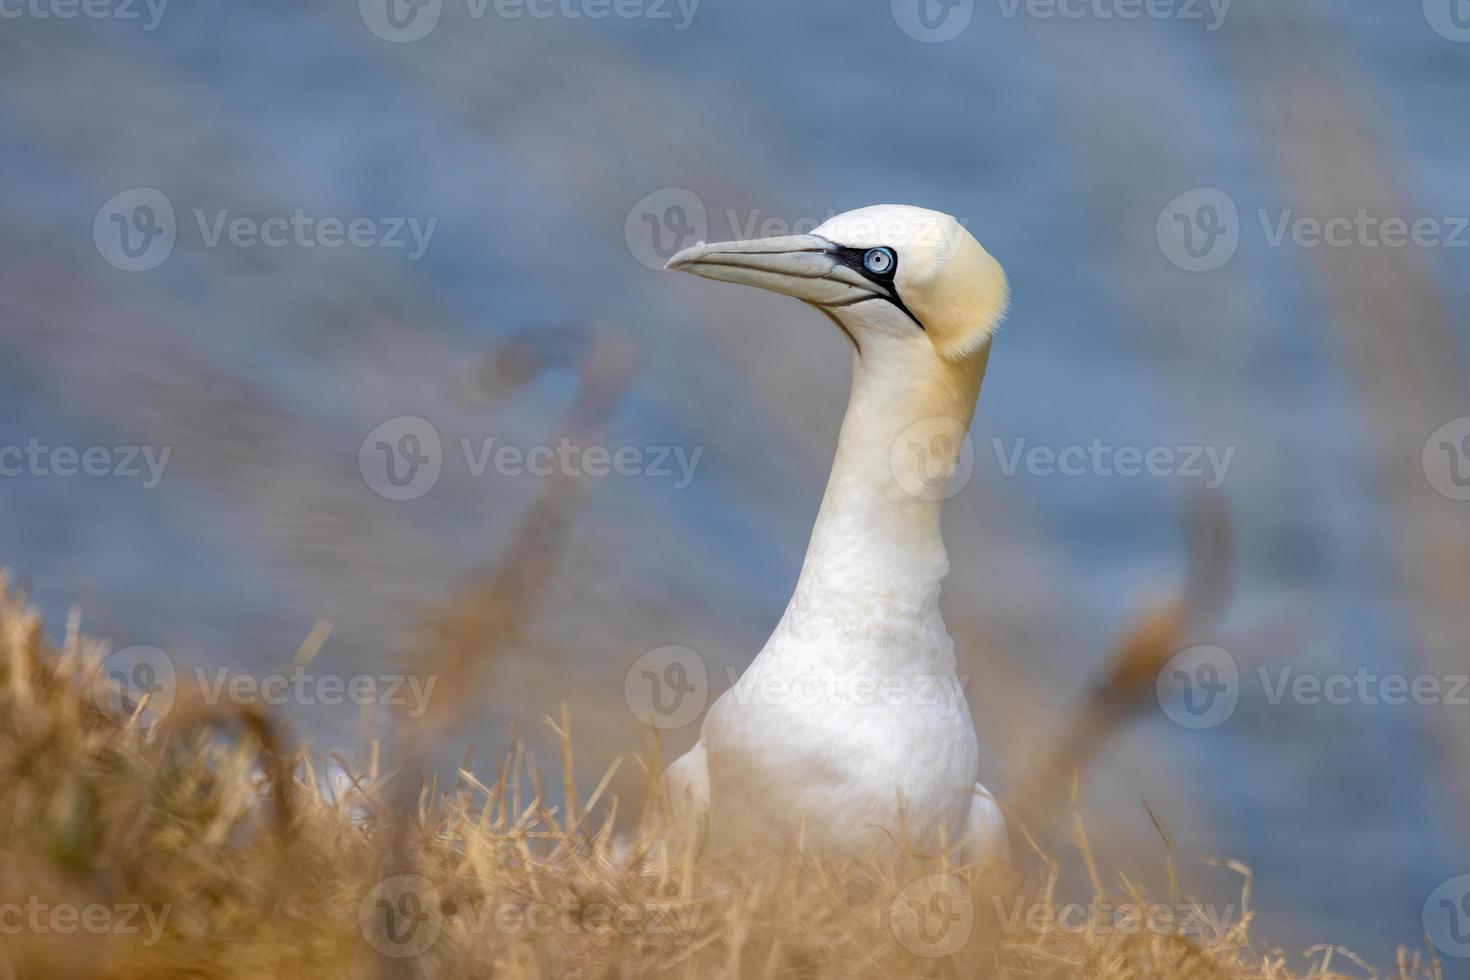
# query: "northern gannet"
850,727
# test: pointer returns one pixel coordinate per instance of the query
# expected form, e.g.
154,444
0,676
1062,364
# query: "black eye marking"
878,265
856,259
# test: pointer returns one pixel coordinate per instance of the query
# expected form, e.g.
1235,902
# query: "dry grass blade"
1128,677
488,613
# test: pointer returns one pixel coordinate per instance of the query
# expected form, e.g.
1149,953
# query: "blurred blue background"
559,156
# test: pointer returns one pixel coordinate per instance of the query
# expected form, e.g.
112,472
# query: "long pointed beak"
804,266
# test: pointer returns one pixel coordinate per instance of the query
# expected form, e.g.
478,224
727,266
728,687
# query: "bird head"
889,273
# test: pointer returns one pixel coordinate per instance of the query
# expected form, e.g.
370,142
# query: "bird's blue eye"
878,261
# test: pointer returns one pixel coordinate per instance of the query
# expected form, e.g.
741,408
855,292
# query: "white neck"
876,553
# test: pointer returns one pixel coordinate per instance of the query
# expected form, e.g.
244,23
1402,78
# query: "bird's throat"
877,536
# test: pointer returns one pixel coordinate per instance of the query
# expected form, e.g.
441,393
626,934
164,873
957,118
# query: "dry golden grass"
239,860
